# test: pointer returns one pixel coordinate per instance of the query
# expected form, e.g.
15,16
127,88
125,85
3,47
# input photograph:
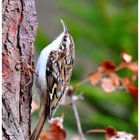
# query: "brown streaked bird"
54,69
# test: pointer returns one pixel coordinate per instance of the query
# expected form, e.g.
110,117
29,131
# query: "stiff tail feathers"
44,109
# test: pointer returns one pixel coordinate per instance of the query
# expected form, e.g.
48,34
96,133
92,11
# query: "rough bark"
19,24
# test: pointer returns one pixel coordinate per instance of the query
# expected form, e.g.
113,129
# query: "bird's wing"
55,77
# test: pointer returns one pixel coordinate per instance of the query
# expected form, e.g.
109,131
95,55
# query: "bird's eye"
65,38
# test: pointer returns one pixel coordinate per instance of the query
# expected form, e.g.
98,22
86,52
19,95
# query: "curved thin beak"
64,27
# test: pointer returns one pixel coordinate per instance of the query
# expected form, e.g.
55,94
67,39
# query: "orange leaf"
95,77
133,90
110,131
126,57
130,87
55,130
115,79
133,66
107,85
128,63
108,65
125,81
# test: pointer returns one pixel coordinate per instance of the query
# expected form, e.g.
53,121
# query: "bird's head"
67,40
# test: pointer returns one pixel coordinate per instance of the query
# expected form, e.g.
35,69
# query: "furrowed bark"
19,25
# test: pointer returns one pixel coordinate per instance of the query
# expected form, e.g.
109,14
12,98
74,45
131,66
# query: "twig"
82,82
76,115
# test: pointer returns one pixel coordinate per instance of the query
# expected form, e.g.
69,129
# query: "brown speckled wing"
55,77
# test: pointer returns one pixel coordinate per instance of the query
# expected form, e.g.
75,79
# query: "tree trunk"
19,26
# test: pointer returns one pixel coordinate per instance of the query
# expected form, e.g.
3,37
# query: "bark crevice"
19,27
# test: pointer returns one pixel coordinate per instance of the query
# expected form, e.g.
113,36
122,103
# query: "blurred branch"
73,98
82,82
76,115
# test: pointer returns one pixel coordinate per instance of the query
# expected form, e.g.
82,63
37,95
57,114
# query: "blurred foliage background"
102,30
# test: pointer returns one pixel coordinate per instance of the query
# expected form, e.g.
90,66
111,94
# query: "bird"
54,70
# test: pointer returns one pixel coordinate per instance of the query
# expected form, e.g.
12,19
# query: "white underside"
42,61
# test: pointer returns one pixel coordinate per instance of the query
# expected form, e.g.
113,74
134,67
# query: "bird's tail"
44,111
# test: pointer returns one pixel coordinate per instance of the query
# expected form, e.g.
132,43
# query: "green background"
102,30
